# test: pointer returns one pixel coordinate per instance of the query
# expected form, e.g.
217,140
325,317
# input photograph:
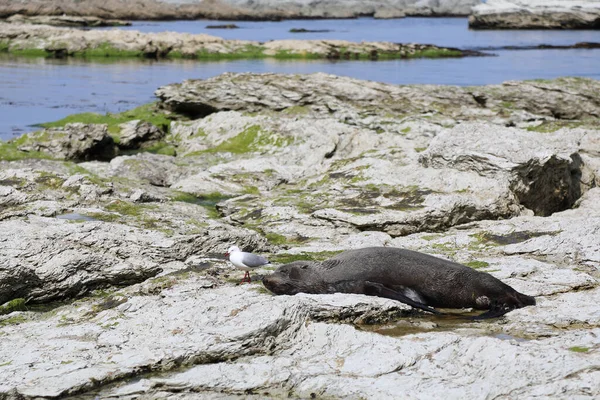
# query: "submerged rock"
226,26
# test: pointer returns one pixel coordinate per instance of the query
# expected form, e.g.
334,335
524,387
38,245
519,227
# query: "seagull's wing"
253,261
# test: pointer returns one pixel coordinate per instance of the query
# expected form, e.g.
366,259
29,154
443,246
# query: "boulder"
76,142
135,134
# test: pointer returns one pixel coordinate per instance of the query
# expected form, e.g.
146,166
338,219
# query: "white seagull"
245,261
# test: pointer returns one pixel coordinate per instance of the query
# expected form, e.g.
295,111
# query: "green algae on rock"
38,40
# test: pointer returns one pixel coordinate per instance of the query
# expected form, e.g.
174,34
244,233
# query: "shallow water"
453,321
35,90
453,32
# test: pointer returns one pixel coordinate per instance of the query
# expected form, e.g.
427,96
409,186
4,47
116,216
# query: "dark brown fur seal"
419,280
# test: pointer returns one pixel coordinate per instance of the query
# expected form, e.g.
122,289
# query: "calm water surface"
452,32
35,90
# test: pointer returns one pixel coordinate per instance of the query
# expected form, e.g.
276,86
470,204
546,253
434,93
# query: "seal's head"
295,277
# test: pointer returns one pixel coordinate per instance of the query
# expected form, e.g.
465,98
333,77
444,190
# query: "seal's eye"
304,266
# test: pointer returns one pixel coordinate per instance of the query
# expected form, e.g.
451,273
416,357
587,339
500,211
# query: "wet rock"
76,141
535,14
389,13
226,26
303,30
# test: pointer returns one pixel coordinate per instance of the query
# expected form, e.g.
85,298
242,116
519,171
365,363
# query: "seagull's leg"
246,278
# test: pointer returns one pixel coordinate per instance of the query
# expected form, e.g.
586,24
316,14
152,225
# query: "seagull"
245,261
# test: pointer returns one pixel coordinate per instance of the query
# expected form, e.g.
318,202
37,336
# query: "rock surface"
62,42
236,9
136,133
536,14
502,178
77,142
65,20
354,8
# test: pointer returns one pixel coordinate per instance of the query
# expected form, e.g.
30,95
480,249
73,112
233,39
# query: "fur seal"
419,280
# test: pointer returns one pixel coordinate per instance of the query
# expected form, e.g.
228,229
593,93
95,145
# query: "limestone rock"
234,9
64,42
136,133
65,20
156,169
502,178
44,259
353,8
543,169
345,98
536,14
76,141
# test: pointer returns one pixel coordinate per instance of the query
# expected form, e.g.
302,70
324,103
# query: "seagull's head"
232,249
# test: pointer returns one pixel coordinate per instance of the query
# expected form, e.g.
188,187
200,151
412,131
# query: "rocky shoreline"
257,10
536,14
113,282
41,40
493,14
65,20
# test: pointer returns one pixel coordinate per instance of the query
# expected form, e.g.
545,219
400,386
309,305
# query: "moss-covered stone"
147,112
13,305
477,264
511,238
106,50
9,152
253,138
17,319
579,349
553,126
48,180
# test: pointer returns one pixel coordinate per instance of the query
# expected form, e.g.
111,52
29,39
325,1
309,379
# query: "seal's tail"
513,301
523,300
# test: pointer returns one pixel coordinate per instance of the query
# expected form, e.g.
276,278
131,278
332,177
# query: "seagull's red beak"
227,254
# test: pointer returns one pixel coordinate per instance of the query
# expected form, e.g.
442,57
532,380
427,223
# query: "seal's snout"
280,284
270,282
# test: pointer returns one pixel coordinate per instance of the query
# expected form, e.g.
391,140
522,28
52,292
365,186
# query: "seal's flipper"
377,289
495,311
